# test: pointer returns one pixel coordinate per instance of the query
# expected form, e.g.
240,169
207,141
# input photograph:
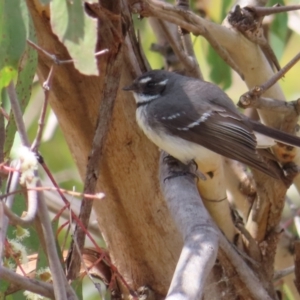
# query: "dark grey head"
149,85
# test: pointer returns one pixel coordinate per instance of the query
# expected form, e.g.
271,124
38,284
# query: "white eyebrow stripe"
145,80
164,82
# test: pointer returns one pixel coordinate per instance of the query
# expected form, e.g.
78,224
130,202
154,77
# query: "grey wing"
209,94
227,134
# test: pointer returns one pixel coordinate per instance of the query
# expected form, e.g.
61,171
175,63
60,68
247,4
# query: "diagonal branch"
92,171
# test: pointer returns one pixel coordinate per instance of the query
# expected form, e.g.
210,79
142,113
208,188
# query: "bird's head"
148,86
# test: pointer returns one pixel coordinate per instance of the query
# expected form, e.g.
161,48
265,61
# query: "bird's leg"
198,173
174,164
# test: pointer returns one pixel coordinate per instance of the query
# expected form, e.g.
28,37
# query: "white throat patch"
141,98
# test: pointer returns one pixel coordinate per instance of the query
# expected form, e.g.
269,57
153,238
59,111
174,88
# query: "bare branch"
15,106
266,11
259,90
59,279
188,45
92,170
282,273
297,265
270,104
49,55
3,229
96,284
33,285
198,231
29,218
244,272
190,22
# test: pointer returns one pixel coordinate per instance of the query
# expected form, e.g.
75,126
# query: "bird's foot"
198,173
174,164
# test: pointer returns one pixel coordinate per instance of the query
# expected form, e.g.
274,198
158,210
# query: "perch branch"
200,235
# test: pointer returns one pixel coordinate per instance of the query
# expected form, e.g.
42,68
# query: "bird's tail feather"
276,134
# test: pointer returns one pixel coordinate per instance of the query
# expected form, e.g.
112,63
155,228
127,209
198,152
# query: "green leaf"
220,72
12,37
45,2
225,7
31,243
77,286
26,72
279,30
16,57
3,287
77,32
42,261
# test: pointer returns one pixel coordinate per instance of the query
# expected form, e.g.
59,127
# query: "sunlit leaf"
225,8
77,286
220,72
3,287
45,2
26,70
77,32
279,30
12,38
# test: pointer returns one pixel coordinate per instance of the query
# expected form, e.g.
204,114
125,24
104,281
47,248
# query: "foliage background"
54,150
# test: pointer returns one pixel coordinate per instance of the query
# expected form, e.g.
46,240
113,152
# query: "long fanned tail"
276,134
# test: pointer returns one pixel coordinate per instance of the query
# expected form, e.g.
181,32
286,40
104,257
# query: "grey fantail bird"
192,120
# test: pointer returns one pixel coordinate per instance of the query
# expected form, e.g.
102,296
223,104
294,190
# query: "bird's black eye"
150,84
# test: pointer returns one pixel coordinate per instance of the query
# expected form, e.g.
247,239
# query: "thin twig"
185,19
12,254
29,218
271,104
101,52
79,223
32,206
11,185
259,90
53,258
96,284
92,171
188,45
15,106
54,58
282,273
297,265
33,285
4,113
3,229
46,85
54,262
244,272
97,196
185,60
266,11
49,55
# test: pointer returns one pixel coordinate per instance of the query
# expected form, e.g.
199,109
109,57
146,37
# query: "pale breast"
179,148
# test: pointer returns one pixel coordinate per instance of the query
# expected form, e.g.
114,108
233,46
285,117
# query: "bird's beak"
131,87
